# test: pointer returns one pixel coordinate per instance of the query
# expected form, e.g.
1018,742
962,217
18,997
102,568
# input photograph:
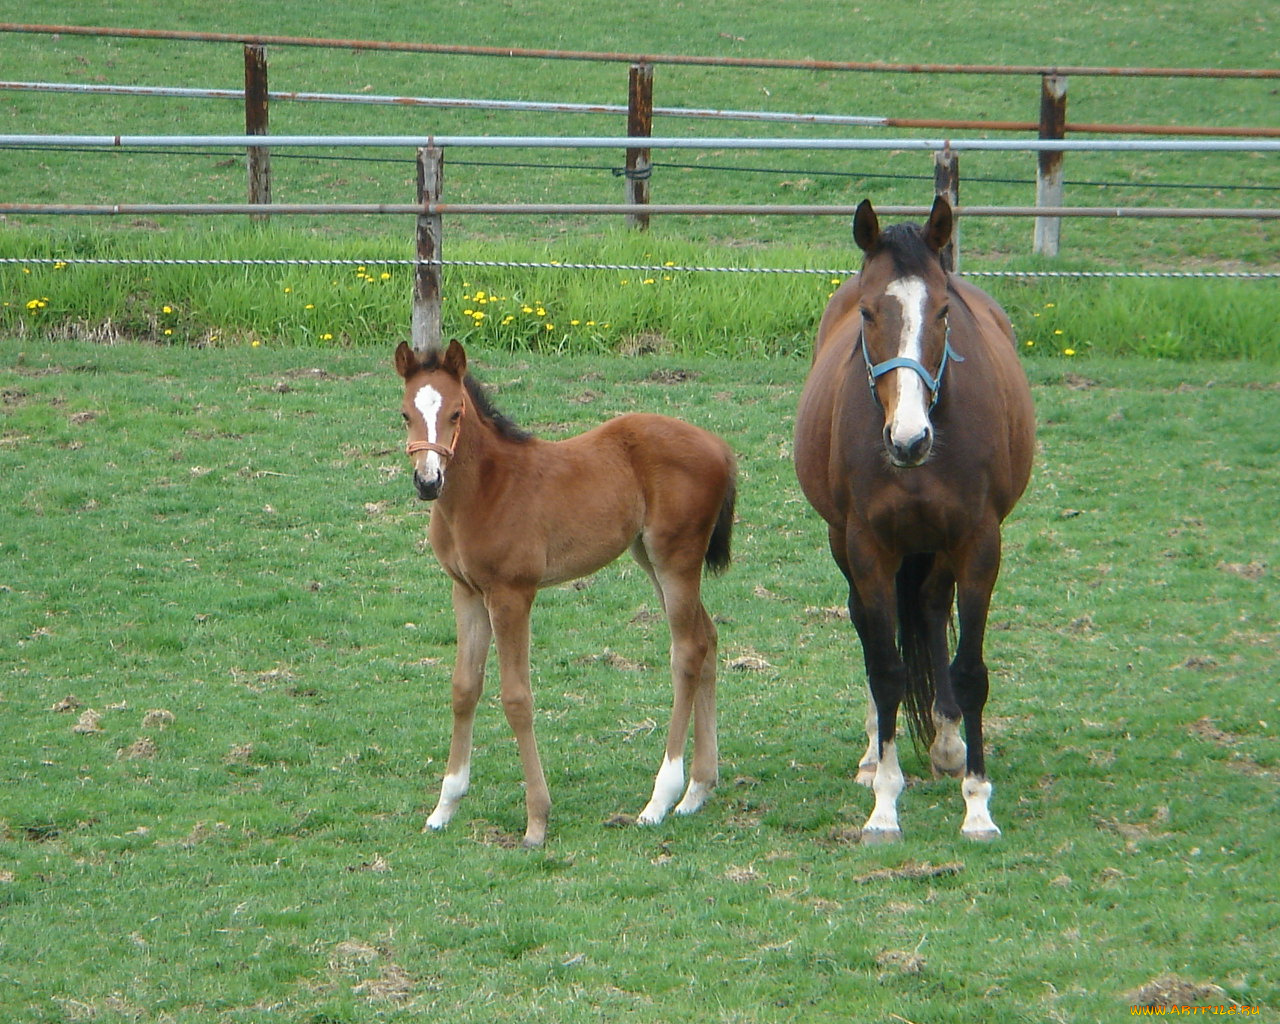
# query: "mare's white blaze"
666,790
911,417
977,818
887,785
428,402
452,790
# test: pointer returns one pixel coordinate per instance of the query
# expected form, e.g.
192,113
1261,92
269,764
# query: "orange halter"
413,447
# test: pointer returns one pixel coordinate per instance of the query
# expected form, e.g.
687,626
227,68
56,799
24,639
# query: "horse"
914,438
513,514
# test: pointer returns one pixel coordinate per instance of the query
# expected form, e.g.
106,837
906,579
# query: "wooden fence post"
639,125
257,158
946,182
1049,191
425,328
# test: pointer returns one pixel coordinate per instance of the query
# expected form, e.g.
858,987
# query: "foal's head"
904,325
434,409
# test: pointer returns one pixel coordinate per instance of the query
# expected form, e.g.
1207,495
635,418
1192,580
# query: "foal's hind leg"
693,676
474,635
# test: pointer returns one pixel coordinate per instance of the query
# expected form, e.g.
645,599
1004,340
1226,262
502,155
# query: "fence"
429,210
1051,124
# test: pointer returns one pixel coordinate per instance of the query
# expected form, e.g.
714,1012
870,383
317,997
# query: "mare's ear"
455,359
406,362
866,226
937,231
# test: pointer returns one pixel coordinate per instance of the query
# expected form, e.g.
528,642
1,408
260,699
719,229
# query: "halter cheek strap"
413,447
877,370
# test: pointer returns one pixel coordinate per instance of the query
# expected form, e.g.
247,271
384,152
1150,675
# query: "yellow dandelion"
326,337
309,305
526,309
550,327
255,343
60,265
386,275
168,331
648,280
1031,344
166,309
1068,351
574,323
288,291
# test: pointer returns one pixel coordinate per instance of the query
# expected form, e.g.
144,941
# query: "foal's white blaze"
911,417
428,402
666,790
887,785
977,819
452,790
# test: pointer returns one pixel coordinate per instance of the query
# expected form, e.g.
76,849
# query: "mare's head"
904,325
434,410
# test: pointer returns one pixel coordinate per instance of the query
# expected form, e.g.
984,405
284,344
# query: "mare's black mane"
906,246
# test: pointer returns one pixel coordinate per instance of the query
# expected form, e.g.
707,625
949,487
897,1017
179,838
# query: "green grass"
229,535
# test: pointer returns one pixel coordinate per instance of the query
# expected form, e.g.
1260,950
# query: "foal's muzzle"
428,488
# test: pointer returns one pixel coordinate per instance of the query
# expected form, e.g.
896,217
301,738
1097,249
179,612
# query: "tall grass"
659,307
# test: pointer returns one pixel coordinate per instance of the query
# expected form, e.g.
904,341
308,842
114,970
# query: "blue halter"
934,384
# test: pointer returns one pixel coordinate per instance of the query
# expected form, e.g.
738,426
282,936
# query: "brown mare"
914,439
514,514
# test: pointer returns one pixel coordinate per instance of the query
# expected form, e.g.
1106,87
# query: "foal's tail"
718,547
913,644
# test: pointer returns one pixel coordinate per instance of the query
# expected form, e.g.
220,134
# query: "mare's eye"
456,416
867,315
942,314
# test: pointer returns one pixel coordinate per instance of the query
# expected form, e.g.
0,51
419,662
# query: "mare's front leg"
873,609
870,760
975,578
474,635
509,609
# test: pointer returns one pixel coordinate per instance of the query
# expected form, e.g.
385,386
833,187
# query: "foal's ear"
455,359
406,362
937,231
866,226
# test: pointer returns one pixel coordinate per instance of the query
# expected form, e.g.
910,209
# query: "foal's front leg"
509,609
474,635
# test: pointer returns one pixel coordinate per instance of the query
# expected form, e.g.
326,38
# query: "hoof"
432,826
981,835
881,836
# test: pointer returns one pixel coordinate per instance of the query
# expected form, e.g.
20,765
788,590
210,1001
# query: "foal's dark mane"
906,246
505,426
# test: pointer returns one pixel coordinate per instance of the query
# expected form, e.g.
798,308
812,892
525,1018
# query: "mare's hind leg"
947,751
693,677
976,577
474,635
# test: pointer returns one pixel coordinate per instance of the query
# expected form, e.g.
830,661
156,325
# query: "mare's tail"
913,644
718,547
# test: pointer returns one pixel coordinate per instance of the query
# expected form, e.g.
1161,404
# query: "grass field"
218,553
225,646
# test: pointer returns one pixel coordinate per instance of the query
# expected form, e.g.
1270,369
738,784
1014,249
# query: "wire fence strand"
634,268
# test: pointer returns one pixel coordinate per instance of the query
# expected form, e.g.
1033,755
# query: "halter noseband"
934,384
413,447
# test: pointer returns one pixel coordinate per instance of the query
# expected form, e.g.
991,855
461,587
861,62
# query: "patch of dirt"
911,871
899,961
1204,729
142,749
89,722
1170,990
1254,570
673,376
